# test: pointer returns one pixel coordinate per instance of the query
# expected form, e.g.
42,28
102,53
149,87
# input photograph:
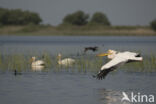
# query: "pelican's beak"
103,54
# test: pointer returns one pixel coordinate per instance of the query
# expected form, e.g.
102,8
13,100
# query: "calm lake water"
64,87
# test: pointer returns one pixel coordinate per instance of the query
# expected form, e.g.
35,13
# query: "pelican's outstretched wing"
110,66
103,73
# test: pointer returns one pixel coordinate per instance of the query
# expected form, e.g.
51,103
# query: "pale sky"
119,12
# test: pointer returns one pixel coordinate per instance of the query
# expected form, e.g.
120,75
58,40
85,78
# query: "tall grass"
83,63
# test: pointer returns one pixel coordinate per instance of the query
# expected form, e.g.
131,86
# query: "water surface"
73,87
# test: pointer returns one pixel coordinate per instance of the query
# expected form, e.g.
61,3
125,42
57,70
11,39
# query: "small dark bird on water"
17,73
91,49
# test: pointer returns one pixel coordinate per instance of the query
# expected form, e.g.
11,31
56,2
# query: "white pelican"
37,64
66,61
118,58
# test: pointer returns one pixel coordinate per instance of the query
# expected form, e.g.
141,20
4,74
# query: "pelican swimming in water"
37,64
118,59
66,61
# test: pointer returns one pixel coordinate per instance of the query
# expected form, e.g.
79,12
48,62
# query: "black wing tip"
99,76
103,73
96,76
138,55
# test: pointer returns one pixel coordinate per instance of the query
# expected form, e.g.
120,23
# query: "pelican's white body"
66,61
120,58
37,63
37,68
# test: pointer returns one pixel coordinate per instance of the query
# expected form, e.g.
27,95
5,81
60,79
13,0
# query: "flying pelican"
66,61
37,64
118,59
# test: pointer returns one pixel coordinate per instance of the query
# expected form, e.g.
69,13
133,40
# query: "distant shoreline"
47,30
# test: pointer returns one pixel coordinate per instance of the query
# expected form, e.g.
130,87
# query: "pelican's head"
59,56
110,54
33,59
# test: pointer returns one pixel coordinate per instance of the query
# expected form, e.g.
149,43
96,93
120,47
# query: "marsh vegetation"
70,30
83,63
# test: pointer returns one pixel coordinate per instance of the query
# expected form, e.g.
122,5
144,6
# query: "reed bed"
84,63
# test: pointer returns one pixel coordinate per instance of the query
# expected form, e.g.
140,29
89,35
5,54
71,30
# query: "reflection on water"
111,97
37,68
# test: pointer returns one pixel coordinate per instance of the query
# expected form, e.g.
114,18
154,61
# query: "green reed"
84,63
1,64
47,60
